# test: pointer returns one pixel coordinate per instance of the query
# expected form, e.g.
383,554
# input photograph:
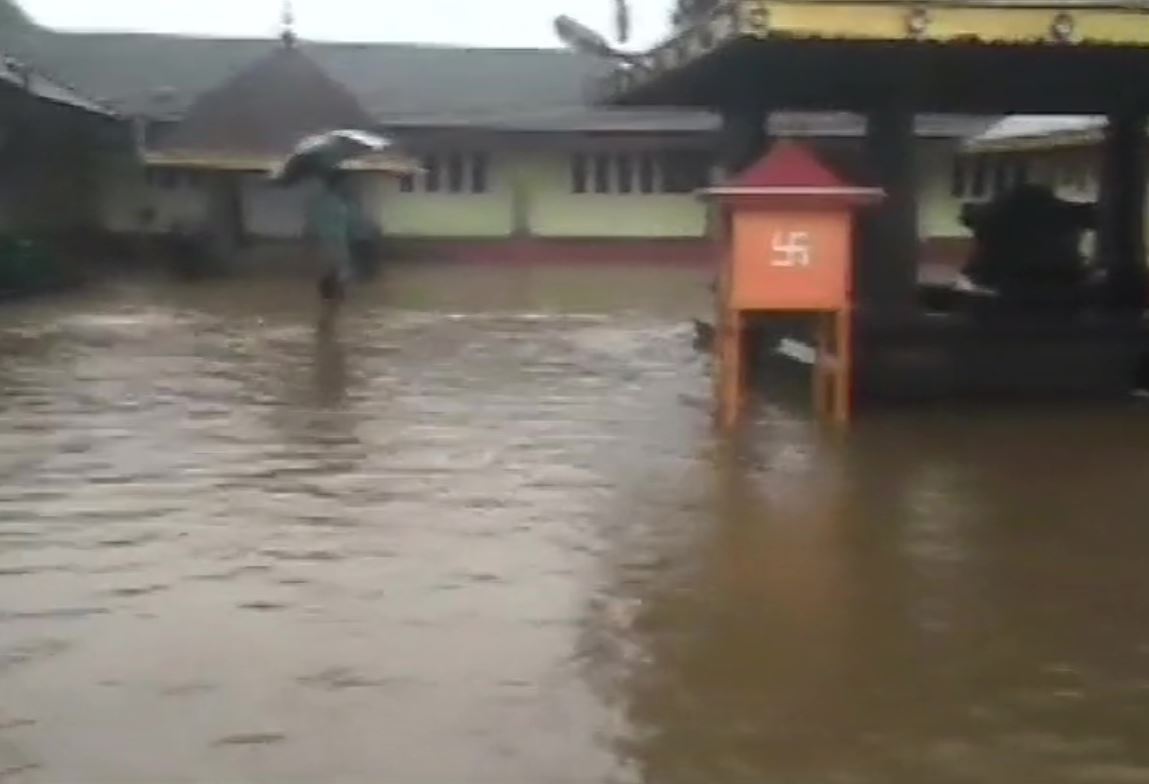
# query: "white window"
675,171
1011,171
450,172
987,176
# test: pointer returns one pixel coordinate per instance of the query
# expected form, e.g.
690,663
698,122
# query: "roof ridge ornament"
754,18
918,22
1063,28
287,21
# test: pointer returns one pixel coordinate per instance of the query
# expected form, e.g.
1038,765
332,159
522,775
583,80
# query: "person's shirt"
330,216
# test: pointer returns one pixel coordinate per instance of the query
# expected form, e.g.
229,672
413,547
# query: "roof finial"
288,19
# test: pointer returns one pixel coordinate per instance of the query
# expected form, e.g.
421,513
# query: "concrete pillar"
1121,218
889,247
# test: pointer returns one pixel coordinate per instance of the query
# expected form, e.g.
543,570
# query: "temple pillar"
1121,214
743,137
743,140
890,248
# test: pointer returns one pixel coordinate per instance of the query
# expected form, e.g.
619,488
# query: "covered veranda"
890,60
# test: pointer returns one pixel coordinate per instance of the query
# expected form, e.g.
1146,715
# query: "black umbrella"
318,155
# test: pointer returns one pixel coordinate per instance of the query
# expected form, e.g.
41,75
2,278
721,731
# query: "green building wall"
529,193
443,215
555,211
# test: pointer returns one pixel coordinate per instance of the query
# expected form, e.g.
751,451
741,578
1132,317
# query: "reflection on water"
478,529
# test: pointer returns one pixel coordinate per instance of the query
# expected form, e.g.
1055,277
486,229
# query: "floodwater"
481,531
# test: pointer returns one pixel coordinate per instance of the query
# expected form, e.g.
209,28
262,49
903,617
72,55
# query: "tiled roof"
400,85
26,77
267,108
160,75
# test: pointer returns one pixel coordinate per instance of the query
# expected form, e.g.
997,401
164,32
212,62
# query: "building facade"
528,193
517,160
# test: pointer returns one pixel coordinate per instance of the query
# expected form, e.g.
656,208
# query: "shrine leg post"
731,370
823,366
843,366
833,369
1121,227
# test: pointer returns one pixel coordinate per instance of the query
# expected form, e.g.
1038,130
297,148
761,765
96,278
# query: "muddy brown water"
481,531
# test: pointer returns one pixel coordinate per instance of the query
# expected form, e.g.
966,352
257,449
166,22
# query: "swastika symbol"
790,249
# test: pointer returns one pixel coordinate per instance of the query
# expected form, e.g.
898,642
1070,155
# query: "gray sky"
474,22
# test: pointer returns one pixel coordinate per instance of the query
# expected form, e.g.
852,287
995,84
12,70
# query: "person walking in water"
334,219
332,222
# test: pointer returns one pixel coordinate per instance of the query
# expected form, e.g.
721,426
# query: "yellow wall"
442,214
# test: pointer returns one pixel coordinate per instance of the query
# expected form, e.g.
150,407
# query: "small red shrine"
790,250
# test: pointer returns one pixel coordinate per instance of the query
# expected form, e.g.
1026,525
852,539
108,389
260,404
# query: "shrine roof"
791,170
788,165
